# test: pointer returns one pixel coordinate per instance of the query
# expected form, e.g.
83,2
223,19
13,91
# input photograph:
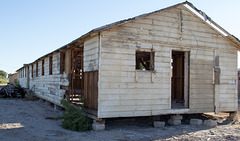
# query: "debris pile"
10,91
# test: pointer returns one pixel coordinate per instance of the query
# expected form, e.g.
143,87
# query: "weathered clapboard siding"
21,78
159,31
47,86
228,82
201,77
91,47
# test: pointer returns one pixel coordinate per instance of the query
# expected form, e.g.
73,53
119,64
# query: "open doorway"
179,79
76,92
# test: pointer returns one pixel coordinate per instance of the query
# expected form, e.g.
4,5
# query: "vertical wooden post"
82,74
28,77
216,81
68,61
186,78
68,69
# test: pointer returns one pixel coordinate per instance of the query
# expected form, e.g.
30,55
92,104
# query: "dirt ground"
24,120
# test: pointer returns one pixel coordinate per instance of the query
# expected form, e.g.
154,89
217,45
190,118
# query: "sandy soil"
24,120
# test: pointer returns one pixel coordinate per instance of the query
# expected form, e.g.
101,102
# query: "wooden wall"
47,86
91,54
12,78
22,79
228,99
91,90
91,67
125,92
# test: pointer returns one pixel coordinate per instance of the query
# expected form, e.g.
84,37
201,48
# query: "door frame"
186,76
80,75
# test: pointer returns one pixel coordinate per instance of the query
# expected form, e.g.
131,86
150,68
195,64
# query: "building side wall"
47,86
13,78
126,92
228,96
91,49
22,80
91,69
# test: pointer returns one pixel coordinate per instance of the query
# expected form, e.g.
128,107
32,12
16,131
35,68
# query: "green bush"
74,119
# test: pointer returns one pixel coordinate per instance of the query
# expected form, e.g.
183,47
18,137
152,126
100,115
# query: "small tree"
3,74
74,119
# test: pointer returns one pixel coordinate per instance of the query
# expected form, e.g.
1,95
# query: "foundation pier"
98,125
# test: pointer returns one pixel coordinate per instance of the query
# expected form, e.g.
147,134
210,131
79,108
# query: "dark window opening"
28,71
32,70
42,67
37,69
62,62
144,60
25,72
50,65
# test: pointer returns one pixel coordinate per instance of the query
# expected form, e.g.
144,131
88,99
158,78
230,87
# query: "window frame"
43,62
50,64
37,69
32,70
62,62
25,73
151,60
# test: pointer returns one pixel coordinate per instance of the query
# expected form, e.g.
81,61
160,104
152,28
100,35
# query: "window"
28,72
32,70
37,69
25,72
50,65
144,60
43,67
62,62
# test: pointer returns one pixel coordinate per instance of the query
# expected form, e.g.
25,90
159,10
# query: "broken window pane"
144,60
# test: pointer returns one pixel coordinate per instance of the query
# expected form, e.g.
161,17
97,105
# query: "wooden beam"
68,61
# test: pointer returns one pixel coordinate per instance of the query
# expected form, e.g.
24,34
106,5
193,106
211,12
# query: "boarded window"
144,60
42,67
50,65
62,62
37,69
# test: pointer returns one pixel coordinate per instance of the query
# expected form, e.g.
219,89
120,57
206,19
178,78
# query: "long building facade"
171,61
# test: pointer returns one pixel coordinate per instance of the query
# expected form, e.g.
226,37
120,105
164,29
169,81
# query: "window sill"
153,71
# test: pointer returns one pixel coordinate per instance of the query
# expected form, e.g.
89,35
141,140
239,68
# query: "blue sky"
29,28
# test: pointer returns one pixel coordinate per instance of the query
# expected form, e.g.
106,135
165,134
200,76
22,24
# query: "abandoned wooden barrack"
175,60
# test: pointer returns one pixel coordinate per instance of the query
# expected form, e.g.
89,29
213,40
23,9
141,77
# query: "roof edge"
229,36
